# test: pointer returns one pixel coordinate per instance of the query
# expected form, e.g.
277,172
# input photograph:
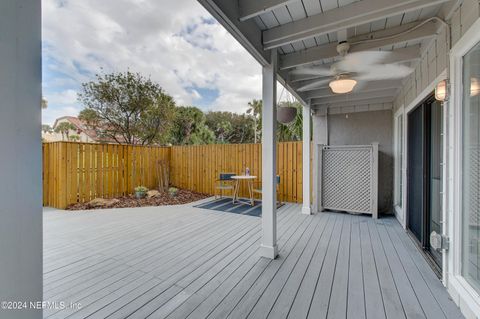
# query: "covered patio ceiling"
305,34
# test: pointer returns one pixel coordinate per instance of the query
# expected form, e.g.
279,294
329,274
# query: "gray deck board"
301,304
391,300
356,296
321,296
374,306
185,262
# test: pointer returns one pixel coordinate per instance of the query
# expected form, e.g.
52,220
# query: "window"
398,160
471,168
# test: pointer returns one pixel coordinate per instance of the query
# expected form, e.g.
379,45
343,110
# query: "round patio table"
249,179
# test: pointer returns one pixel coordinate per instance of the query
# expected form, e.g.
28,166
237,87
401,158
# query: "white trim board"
399,211
464,295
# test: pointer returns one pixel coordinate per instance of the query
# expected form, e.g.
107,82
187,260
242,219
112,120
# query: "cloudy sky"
175,42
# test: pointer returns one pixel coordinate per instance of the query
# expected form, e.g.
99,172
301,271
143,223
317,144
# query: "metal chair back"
226,176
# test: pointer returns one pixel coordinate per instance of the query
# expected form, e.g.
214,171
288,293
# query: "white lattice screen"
349,178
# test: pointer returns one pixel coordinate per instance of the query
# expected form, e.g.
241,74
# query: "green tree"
189,127
231,127
90,118
127,108
64,128
255,109
44,103
74,138
47,128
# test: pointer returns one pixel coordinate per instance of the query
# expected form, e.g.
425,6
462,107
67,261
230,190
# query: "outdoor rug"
225,205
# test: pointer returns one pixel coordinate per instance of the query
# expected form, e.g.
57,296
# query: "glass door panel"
471,168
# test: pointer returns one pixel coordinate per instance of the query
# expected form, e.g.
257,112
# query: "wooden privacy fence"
196,167
79,172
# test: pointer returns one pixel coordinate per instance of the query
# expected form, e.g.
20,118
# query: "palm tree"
64,128
255,110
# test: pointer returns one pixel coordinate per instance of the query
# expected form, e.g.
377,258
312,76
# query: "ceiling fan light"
341,86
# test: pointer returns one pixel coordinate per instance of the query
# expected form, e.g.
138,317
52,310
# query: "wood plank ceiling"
306,32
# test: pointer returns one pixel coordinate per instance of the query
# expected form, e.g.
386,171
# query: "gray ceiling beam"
348,16
402,55
365,43
252,8
345,98
380,100
372,86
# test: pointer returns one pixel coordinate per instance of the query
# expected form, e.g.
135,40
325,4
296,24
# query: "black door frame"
424,241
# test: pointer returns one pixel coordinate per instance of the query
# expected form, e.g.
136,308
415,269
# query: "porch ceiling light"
441,91
342,85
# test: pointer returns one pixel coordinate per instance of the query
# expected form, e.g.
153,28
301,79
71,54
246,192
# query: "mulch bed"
182,197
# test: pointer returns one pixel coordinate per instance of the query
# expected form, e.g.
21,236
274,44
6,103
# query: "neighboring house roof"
83,128
79,124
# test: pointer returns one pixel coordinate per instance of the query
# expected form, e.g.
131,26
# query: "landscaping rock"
153,193
102,202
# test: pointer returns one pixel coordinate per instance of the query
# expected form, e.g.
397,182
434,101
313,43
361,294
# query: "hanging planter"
286,114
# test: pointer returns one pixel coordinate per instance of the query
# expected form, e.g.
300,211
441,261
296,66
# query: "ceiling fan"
352,68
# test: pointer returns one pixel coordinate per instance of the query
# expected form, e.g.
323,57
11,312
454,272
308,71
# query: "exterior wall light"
474,86
441,91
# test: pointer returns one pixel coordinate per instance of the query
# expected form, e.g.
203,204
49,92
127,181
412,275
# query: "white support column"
306,208
269,150
21,157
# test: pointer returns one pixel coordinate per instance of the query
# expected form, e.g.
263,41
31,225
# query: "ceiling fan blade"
312,71
384,72
360,86
314,85
360,61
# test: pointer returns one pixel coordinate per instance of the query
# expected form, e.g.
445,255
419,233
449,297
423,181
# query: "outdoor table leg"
235,192
250,191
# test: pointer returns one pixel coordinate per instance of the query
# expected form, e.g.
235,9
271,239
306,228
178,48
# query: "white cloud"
52,114
172,41
66,97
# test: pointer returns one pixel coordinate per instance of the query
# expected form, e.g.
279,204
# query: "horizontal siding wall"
432,63
434,56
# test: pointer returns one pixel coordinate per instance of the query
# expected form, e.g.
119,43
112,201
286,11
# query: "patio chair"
224,182
259,189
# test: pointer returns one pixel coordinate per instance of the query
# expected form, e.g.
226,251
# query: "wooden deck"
185,262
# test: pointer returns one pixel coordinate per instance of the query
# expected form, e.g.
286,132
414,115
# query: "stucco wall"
20,156
363,128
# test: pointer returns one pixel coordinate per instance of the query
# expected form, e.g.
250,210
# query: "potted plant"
286,114
173,191
140,192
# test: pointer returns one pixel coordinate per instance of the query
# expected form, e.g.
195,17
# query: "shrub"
141,189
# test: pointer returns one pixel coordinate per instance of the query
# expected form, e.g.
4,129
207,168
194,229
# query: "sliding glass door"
424,175
471,168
